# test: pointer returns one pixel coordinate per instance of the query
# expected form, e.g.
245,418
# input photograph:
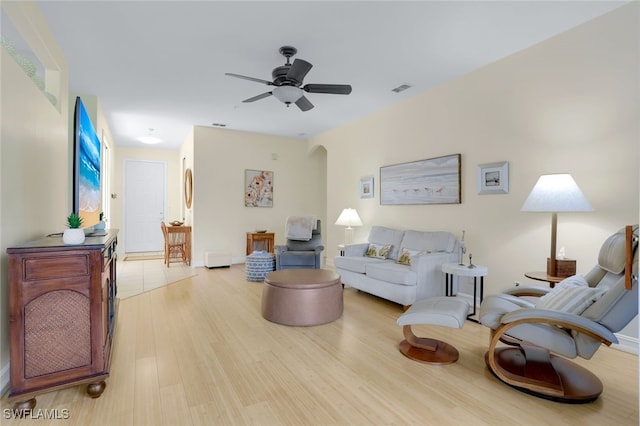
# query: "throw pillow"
572,295
405,255
379,251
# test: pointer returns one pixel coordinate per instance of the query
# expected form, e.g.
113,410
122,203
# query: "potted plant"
73,234
100,225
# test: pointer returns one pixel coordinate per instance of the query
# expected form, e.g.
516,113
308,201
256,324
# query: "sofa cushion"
405,255
387,236
391,272
355,263
429,241
381,251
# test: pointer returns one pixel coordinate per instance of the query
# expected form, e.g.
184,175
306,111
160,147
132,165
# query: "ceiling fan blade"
334,89
298,70
244,77
257,98
304,104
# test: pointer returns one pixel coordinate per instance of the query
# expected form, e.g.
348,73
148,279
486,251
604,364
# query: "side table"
260,241
477,271
543,276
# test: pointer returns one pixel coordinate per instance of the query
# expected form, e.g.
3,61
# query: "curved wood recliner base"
535,371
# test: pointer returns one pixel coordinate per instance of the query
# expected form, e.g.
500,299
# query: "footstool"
442,311
258,264
302,297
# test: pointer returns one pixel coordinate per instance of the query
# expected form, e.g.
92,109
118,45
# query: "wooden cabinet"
263,241
62,314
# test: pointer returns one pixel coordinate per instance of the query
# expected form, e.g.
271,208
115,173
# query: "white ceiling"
161,65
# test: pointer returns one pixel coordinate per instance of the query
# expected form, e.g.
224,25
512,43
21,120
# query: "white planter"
73,236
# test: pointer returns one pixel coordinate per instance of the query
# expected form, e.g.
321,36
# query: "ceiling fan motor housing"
279,75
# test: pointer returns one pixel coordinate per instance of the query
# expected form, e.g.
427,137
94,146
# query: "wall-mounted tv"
86,168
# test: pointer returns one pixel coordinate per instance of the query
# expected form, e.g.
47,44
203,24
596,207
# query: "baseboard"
627,344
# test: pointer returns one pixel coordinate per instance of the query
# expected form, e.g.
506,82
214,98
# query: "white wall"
35,167
220,157
569,104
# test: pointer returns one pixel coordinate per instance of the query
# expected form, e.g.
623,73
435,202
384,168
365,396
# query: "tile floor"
138,276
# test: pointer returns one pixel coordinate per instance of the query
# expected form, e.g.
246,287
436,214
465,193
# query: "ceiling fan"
287,80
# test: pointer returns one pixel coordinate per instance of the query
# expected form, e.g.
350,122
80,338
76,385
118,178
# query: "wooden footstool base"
442,311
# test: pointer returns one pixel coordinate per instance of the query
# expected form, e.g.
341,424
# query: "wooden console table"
62,315
263,241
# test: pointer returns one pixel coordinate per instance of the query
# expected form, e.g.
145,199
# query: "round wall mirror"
188,188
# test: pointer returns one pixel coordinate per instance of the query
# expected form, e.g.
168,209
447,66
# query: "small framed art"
258,188
493,178
366,187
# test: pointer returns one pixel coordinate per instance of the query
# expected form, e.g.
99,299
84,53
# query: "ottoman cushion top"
443,311
298,278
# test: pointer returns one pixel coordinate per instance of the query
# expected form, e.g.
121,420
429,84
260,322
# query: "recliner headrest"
612,253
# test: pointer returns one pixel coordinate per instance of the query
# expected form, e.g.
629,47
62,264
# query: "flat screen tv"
87,197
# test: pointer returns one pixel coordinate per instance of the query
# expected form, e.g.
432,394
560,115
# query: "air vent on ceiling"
401,88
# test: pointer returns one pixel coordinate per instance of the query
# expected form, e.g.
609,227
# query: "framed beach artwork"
430,181
493,178
258,188
366,187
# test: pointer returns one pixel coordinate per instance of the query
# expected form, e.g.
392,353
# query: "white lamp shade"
349,218
287,94
556,193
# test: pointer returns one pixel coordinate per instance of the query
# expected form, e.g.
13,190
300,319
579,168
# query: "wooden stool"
442,311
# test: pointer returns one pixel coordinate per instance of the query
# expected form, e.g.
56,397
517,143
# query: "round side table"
475,271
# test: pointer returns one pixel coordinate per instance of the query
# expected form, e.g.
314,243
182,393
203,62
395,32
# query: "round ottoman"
258,264
302,297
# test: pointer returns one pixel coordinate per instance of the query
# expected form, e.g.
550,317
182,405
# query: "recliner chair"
301,254
566,322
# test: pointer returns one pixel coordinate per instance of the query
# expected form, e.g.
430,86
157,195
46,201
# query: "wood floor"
198,352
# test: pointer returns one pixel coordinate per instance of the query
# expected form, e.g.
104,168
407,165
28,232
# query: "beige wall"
35,167
220,158
569,104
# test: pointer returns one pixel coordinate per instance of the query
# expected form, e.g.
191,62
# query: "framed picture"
431,181
366,187
493,178
258,188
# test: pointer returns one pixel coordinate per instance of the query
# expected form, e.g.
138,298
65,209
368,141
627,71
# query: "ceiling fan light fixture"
287,94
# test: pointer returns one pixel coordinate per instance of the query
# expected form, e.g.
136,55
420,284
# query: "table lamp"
348,218
555,193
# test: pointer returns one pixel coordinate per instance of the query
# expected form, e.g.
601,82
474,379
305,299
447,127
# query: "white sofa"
400,283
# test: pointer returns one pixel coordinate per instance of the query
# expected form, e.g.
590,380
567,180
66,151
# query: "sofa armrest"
430,278
358,249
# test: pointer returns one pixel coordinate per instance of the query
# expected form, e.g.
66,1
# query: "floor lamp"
348,218
553,194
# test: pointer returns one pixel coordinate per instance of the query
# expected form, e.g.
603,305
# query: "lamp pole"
551,270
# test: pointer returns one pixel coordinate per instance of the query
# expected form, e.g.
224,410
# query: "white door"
144,205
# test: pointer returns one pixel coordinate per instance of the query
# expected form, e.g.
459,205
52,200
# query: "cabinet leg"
95,389
22,406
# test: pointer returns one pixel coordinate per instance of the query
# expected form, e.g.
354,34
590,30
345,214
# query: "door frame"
124,198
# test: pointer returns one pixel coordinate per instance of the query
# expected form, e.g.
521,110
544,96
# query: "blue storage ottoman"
258,264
